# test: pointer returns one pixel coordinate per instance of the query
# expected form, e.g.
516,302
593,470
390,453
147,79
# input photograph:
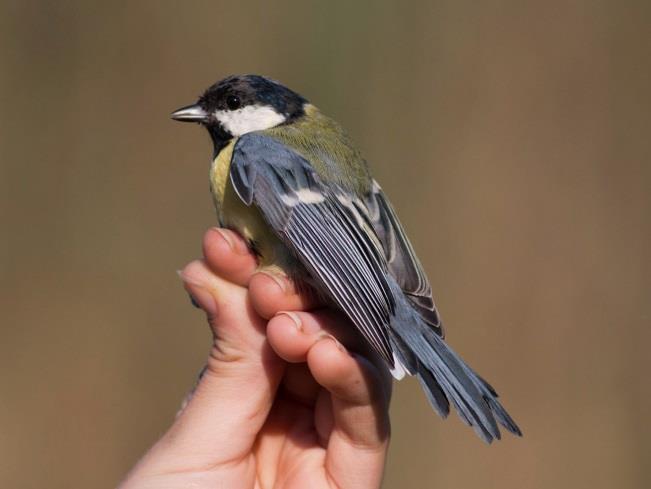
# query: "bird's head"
240,104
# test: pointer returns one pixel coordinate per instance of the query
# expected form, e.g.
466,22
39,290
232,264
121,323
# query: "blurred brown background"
513,138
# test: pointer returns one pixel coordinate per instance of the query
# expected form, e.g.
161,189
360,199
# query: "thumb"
221,420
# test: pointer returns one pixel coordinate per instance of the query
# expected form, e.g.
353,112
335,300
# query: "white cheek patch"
248,119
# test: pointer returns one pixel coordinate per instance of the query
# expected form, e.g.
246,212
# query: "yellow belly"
246,220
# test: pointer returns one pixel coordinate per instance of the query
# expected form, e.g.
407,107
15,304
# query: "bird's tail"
446,379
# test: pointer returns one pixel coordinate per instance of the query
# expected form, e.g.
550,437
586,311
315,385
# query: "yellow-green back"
325,144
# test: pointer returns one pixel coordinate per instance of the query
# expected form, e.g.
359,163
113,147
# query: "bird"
292,183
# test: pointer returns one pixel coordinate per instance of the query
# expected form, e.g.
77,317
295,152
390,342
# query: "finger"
298,385
360,392
272,291
358,419
351,410
292,334
228,255
240,359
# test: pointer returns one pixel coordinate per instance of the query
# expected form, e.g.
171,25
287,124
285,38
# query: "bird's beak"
191,113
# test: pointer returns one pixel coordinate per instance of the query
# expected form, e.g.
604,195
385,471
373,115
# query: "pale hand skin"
281,403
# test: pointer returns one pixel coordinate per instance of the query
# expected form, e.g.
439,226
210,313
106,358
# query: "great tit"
291,182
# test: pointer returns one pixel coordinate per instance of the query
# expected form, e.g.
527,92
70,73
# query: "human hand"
281,403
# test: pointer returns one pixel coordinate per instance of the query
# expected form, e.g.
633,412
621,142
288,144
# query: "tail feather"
490,396
446,379
461,390
434,393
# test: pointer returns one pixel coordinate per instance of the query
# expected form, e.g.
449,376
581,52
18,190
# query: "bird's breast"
234,214
219,176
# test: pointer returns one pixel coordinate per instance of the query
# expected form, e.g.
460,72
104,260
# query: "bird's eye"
233,102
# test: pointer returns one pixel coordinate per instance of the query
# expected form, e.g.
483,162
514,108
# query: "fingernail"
188,280
236,246
280,280
294,317
226,237
199,296
327,336
306,327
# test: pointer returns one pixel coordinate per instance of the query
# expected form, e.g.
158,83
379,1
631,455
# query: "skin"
281,403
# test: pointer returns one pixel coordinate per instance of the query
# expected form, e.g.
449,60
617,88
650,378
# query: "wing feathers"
352,294
402,260
322,227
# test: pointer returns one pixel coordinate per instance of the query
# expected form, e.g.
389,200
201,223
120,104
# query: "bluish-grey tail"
446,379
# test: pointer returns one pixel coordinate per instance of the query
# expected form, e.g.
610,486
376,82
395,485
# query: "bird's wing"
402,261
323,226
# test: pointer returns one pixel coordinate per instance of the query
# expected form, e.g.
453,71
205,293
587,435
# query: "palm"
288,452
292,447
